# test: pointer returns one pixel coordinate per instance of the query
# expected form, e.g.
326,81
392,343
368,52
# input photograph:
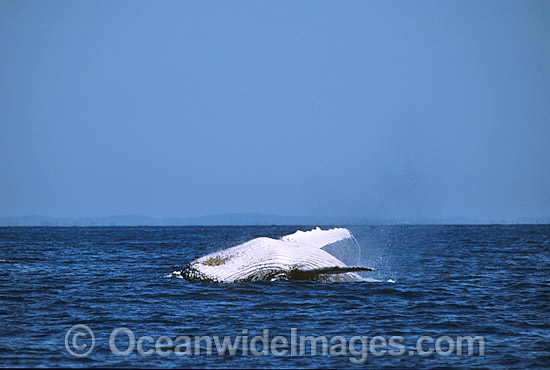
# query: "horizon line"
250,219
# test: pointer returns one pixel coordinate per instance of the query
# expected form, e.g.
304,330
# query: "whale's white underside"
294,256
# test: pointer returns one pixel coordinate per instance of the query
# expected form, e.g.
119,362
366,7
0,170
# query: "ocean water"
430,282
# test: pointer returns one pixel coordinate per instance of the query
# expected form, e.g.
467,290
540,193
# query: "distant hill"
222,219
241,219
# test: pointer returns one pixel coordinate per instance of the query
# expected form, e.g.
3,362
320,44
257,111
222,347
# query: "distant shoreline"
248,220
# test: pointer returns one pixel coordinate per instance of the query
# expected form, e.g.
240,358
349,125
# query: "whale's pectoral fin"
310,274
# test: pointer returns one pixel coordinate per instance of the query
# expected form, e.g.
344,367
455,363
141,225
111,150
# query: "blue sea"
65,291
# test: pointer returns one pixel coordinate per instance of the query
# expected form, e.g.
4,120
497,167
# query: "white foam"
372,280
175,274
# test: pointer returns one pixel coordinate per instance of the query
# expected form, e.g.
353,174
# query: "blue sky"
392,109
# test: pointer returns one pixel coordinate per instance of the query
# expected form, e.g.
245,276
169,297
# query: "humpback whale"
298,256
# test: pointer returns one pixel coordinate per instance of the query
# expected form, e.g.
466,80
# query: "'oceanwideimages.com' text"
80,341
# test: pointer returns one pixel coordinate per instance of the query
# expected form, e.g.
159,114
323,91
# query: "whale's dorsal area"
296,256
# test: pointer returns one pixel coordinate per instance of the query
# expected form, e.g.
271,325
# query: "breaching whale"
297,256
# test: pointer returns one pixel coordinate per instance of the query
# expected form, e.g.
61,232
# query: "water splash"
358,262
347,250
175,274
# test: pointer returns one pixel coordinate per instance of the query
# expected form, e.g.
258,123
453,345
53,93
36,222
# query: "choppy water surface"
489,281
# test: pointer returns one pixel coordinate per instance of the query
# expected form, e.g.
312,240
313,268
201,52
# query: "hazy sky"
404,109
